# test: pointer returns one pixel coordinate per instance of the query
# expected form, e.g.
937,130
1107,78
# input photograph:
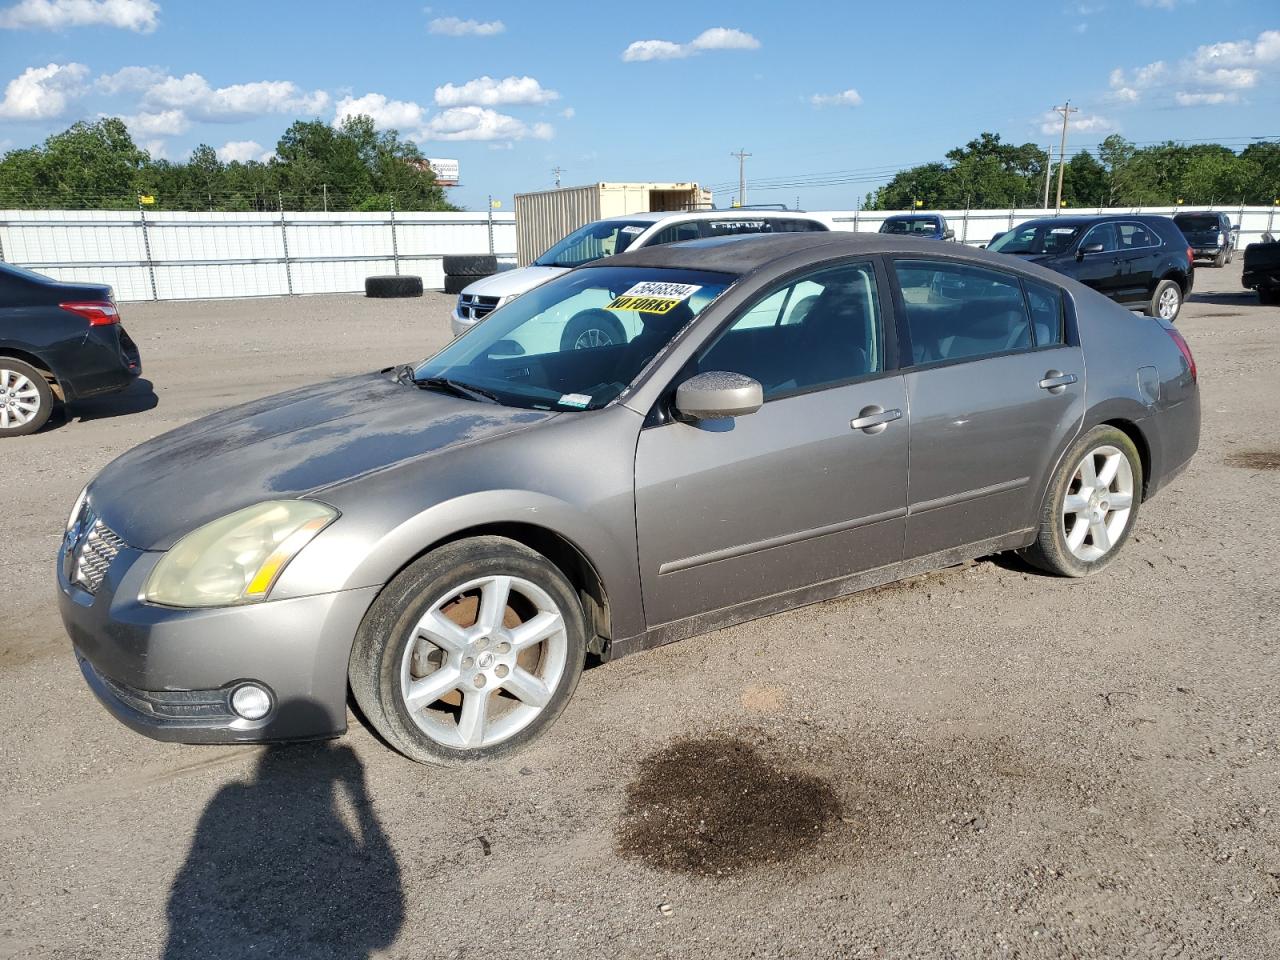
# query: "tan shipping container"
546,217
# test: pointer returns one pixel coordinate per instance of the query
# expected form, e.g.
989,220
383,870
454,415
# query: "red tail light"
1191,257
99,313
1186,351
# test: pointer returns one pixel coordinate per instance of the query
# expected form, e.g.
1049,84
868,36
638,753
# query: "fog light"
251,701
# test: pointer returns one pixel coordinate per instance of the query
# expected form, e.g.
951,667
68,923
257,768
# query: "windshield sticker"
632,228
1063,230
579,400
651,296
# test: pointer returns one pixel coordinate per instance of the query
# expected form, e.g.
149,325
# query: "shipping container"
546,217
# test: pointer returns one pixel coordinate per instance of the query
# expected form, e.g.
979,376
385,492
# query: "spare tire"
393,286
458,284
470,265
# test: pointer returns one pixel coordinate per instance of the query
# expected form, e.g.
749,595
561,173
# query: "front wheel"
592,328
1091,505
1167,300
470,653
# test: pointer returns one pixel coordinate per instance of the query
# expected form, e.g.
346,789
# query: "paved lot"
981,762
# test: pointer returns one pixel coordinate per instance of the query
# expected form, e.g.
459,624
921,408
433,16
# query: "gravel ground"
980,762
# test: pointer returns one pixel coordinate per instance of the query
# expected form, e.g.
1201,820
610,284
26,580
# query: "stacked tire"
393,286
462,270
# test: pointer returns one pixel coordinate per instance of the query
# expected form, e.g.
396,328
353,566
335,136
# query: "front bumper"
460,324
168,673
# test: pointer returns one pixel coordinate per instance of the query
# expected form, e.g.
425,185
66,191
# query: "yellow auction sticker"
654,297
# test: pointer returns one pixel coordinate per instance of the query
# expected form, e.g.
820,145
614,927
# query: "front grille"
94,554
473,307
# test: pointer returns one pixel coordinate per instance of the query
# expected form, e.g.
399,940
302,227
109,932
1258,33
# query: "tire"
455,285
26,399
1166,302
1222,259
592,328
1061,546
466,670
1269,296
393,286
470,265
1231,254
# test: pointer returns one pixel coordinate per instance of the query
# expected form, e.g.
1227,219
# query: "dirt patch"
715,806
1255,460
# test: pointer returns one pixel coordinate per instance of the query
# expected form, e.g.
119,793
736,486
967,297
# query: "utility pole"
325,186
1066,110
1048,171
555,172
742,176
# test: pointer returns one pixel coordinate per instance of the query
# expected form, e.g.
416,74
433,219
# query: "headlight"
75,511
238,558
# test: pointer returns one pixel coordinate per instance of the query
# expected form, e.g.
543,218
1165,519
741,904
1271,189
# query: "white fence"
184,256
175,255
976,227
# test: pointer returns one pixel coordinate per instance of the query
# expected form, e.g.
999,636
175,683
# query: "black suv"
1143,262
1209,234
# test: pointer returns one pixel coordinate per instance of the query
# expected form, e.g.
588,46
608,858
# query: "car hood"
512,283
1034,257
286,446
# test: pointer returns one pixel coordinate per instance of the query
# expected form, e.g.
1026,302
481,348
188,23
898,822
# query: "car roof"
913,216
745,253
657,216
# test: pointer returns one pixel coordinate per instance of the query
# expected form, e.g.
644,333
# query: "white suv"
604,238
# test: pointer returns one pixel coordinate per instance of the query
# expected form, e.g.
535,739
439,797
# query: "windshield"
603,238
925,225
575,342
1037,237
1196,224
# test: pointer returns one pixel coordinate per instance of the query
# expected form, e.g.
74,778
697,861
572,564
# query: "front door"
810,487
1104,271
996,388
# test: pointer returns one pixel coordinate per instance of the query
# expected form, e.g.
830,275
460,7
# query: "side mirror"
1087,249
949,234
505,348
719,395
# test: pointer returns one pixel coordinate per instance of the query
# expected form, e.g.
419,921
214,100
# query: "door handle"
874,419
1055,381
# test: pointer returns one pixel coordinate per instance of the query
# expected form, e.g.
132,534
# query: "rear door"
1140,253
996,384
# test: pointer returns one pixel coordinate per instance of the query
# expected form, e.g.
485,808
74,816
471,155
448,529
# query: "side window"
1134,235
729,228
1045,302
824,329
778,225
1103,233
674,233
958,312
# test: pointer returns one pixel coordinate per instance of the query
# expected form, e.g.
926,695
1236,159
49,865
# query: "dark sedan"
1143,262
58,342
790,419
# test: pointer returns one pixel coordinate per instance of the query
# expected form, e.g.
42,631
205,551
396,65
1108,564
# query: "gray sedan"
789,419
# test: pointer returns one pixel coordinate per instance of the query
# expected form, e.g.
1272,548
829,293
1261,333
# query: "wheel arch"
1134,432
31,359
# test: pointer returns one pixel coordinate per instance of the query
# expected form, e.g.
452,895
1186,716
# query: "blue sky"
828,98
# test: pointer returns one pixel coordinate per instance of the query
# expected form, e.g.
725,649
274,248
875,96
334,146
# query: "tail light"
1186,350
99,313
1191,257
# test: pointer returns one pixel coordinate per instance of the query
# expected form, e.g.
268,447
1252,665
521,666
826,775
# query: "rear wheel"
26,400
1167,300
470,653
1222,259
1269,296
1091,505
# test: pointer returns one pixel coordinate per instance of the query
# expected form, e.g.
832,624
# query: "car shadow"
291,862
135,398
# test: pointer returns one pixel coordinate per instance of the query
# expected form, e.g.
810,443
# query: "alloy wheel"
1099,500
592,337
19,399
483,662
1169,302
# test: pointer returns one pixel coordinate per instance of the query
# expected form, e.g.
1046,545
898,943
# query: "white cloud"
1211,69
129,79
724,38
481,123
40,93
455,27
386,114
136,15
1160,4
168,123
193,94
716,38
568,113
488,92
1051,122
241,151
846,98
158,149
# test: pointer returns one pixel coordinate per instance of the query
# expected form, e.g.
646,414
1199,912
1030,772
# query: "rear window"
729,228
1197,224
909,227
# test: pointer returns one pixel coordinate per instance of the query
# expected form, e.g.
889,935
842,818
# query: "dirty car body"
913,403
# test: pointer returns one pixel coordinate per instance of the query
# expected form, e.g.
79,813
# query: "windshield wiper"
465,390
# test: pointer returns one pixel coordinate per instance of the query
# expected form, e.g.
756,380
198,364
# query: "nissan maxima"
791,419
